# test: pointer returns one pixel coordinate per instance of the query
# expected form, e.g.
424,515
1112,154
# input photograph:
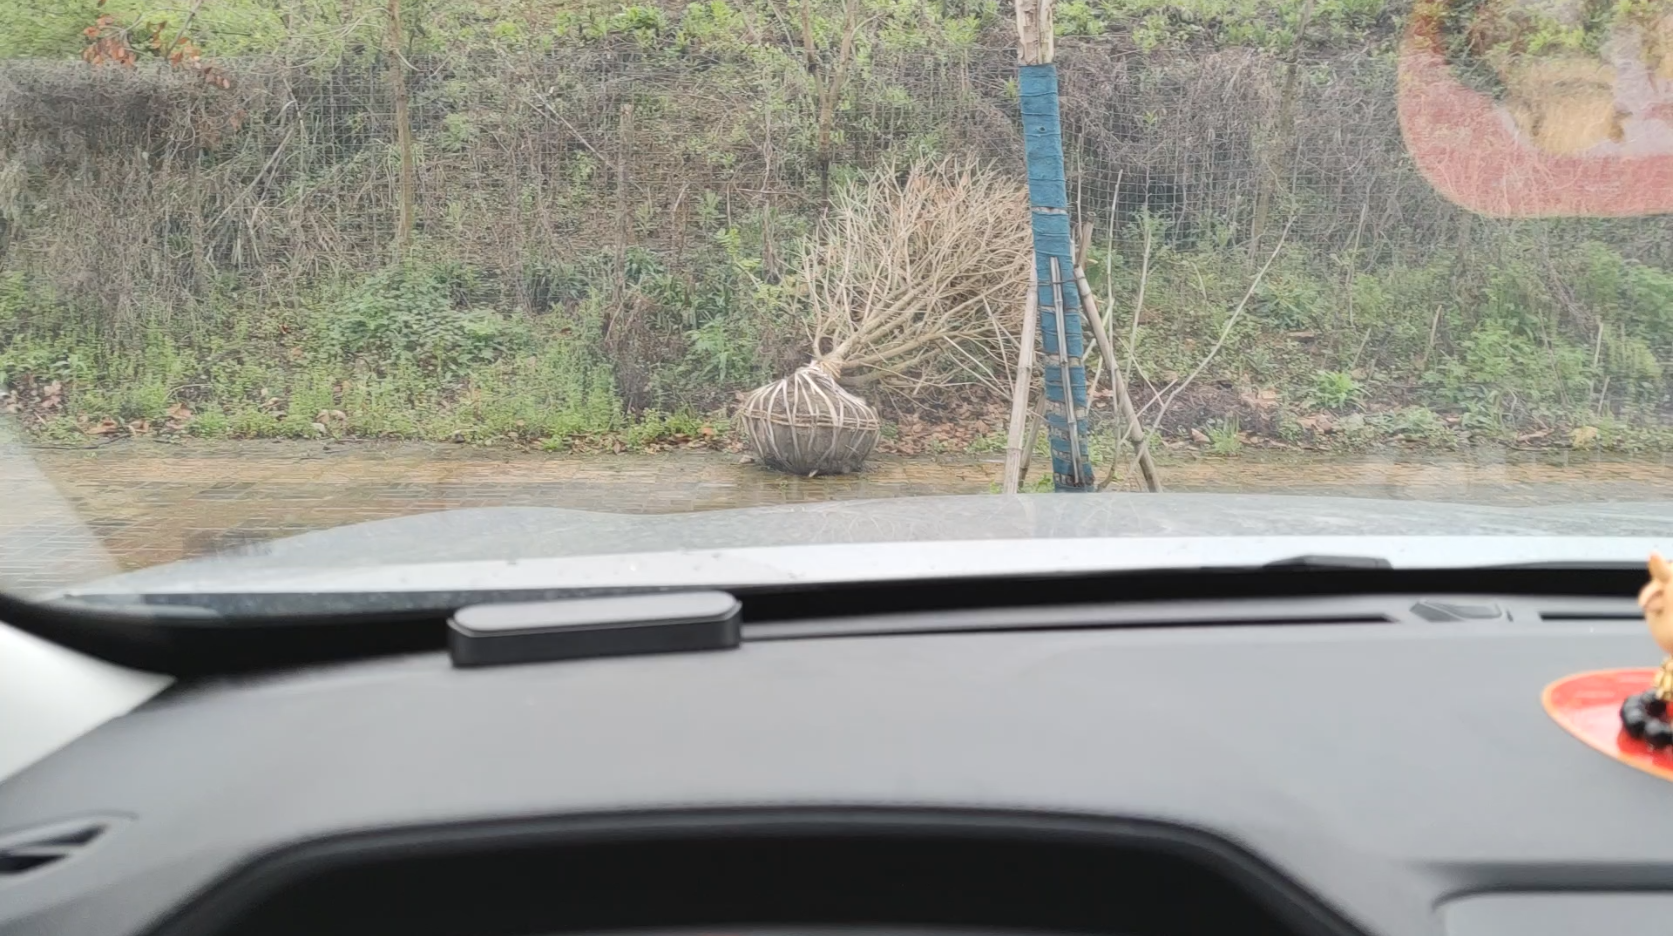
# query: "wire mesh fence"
147,197
146,187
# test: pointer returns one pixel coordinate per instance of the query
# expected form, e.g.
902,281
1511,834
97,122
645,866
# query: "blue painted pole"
1062,338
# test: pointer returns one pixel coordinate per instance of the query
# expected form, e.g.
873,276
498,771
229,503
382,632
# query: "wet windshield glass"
268,269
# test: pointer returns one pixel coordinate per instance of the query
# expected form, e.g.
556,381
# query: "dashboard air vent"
42,846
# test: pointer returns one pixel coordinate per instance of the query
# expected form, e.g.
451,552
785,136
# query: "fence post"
1062,336
1274,153
403,130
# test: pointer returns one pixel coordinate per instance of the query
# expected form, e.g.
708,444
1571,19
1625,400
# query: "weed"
405,315
1225,437
1335,390
210,423
655,427
1416,424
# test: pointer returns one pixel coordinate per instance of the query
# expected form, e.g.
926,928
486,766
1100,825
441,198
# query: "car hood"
902,537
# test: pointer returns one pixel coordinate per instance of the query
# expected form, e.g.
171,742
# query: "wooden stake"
624,223
1036,419
1036,43
1124,412
403,130
1024,384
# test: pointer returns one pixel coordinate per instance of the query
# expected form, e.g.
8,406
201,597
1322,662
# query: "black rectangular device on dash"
617,625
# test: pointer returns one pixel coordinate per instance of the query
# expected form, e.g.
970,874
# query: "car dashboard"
1367,764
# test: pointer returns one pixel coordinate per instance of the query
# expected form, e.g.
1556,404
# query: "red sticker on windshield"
1500,131
1588,705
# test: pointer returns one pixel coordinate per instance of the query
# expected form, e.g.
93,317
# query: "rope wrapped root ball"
807,424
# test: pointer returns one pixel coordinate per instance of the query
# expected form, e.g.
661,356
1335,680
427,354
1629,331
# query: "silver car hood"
915,537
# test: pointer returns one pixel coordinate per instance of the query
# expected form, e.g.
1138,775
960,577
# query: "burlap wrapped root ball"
806,424
915,284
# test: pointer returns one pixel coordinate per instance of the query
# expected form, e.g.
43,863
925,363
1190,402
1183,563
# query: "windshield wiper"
1329,562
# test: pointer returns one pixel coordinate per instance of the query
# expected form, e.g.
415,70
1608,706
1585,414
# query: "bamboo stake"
624,223
1036,419
1124,412
1079,472
1024,383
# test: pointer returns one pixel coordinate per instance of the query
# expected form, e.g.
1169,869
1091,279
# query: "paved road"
70,514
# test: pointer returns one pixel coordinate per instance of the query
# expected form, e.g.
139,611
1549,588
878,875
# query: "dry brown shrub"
918,277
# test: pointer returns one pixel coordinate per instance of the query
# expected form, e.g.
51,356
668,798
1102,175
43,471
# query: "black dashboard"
1364,765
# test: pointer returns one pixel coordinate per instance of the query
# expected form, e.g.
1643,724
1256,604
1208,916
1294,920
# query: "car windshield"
272,268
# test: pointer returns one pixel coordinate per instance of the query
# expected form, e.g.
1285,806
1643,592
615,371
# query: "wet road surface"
68,514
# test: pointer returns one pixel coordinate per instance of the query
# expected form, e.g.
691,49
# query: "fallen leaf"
1318,422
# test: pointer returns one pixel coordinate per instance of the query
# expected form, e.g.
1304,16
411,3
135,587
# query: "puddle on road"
149,503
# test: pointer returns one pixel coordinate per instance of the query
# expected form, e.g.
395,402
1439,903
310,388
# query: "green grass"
396,354
1481,342
1335,390
409,353
1225,437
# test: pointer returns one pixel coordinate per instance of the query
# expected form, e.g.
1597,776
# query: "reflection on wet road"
72,512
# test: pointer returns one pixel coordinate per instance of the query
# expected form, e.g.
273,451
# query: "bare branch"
1225,332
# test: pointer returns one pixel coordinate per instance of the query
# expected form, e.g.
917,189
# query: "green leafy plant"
1225,437
1077,18
646,24
1417,424
404,315
1335,390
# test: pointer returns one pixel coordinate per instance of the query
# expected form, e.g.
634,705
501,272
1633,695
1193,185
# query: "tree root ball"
807,424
